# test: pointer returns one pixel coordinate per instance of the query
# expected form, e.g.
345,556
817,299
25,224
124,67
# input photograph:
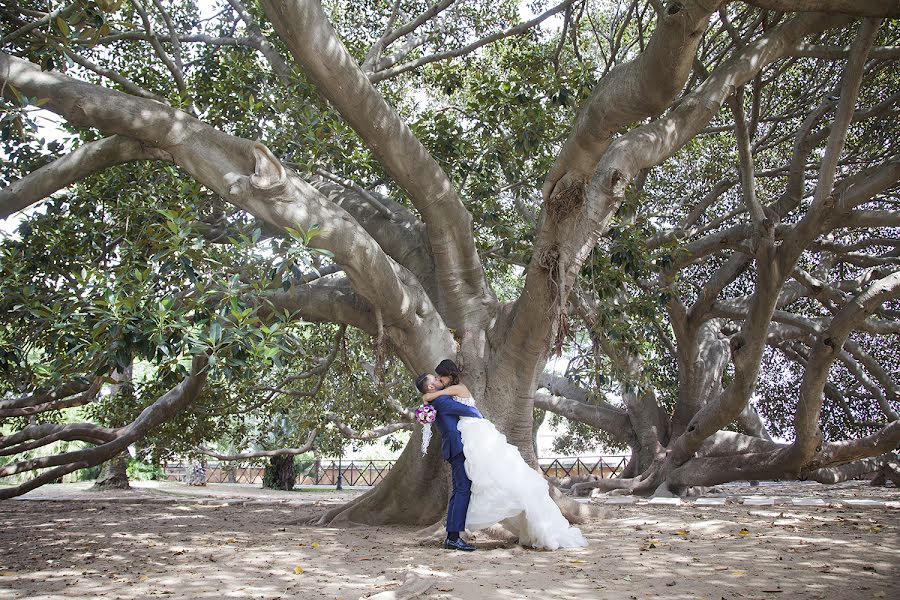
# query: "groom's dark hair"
422,382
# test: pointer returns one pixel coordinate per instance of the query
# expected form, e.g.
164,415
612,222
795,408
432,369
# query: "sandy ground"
225,541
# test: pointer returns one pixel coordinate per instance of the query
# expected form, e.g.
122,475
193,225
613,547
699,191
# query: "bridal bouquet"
426,414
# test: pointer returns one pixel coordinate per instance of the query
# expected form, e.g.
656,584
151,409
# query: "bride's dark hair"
448,368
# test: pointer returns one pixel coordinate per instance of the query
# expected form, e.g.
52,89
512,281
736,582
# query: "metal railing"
602,466
368,472
371,472
225,472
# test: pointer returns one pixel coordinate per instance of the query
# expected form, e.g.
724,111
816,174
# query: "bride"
504,487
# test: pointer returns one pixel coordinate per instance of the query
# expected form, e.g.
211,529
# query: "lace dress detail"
505,488
465,400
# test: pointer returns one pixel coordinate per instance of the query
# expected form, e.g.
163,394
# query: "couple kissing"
491,481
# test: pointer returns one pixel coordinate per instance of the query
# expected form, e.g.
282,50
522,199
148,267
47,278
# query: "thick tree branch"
370,434
31,406
884,440
868,8
160,411
855,470
841,52
35,436
609,419
745,155
643,87
246,174
396,229
40,397
307,446
88,159
305,29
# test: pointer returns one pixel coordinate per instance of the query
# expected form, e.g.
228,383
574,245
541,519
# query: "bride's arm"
451,390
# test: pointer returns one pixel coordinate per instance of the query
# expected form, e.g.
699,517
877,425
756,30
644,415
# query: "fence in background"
371,472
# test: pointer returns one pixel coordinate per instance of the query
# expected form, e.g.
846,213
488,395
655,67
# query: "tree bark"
279,473
114,473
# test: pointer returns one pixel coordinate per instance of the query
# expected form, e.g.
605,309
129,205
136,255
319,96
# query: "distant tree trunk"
113,474
279,474
197,474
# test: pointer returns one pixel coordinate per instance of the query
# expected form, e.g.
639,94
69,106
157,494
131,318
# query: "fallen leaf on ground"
578,562
298,570
738,573
231,541
143,578
744,531
8,573
681,532
314,545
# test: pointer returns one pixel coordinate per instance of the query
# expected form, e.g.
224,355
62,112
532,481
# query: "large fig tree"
424,167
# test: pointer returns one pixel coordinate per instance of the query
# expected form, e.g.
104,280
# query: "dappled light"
235,233
221,545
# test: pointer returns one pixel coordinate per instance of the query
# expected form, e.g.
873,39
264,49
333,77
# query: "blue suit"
448,413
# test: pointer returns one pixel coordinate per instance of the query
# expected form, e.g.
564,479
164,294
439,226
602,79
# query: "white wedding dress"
505,488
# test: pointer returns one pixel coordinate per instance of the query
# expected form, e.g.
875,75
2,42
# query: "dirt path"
229,542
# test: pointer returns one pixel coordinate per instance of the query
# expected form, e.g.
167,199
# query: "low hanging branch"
63,397
113,441
320,369
791,460
370,434
86,160
310,442
36,436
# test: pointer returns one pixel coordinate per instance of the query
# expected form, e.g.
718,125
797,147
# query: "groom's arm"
448,406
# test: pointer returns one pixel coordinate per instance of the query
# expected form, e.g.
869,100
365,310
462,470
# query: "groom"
448,413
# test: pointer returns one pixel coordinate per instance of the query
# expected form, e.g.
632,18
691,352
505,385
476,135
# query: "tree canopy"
274,214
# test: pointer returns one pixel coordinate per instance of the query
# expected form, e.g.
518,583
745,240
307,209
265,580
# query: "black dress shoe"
458,544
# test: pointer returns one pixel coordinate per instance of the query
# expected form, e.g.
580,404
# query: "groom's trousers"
459,498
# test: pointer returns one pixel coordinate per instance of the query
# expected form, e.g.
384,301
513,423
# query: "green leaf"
63,26
215,331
